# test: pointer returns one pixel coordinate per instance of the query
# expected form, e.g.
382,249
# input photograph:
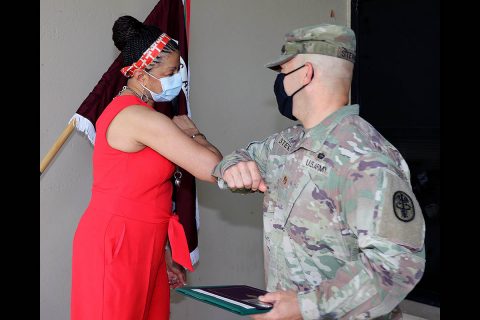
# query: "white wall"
232,103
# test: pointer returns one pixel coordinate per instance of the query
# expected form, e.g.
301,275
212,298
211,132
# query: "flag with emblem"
173,18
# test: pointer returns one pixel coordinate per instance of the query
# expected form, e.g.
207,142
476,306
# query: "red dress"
118,265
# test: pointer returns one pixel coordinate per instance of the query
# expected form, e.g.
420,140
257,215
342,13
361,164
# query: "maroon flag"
172,17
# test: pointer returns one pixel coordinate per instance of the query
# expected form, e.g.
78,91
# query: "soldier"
343,231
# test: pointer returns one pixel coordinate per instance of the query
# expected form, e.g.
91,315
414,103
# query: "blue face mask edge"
171,87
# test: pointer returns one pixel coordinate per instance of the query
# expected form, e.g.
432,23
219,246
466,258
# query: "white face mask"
171,87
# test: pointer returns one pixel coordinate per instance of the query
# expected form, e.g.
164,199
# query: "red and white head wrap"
148,56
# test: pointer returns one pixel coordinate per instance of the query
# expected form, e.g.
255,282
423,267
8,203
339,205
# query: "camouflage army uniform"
341,224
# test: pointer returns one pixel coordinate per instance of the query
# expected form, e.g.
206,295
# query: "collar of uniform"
315,137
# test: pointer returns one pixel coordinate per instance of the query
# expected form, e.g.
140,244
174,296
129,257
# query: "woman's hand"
176,274
185,124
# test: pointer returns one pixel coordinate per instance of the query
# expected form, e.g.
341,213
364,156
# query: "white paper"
246,306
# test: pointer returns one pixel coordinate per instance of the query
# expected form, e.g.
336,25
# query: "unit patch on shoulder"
403,206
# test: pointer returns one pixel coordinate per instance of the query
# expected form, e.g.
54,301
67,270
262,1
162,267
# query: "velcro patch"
285,144
403,206
401,219
317,166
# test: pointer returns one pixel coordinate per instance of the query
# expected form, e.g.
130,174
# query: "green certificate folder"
239,299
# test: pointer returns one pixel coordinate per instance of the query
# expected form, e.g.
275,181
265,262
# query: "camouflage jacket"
342,226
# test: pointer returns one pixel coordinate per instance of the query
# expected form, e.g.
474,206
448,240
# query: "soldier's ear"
309,73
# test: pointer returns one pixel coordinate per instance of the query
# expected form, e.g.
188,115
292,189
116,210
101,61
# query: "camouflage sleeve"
385,217
257,151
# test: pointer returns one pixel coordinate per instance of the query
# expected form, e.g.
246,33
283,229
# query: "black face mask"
284,101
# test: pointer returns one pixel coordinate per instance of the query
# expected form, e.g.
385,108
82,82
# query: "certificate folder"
239,299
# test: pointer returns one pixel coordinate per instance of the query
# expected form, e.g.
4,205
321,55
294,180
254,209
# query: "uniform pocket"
314,223
114,238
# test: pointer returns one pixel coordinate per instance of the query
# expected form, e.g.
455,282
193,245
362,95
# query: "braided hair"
132,38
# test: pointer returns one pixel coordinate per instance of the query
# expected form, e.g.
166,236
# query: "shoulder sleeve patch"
403,206
399,217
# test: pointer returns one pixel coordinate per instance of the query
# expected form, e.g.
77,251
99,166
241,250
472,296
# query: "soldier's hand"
244,175
285,306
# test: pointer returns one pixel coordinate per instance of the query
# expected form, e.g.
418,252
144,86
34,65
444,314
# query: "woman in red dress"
119,267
